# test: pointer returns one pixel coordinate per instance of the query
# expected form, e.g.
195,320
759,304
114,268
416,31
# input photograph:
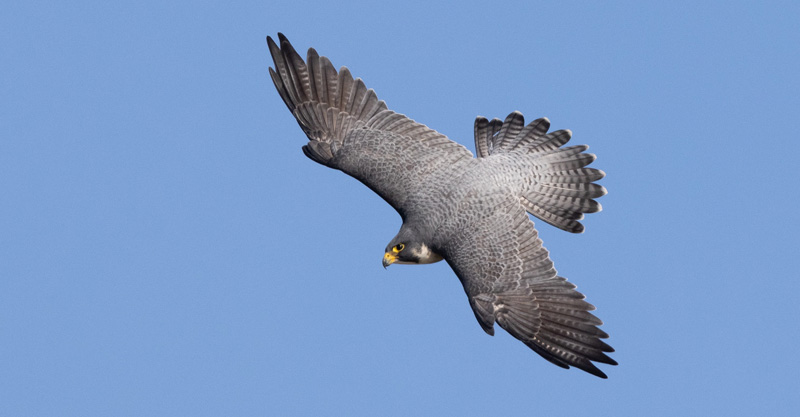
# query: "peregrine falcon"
471,212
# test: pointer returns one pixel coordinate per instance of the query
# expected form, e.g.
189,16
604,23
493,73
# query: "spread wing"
351,130
509,279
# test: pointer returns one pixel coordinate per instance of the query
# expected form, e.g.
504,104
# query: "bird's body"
471,212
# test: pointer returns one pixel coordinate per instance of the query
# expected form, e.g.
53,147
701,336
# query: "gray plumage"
472,212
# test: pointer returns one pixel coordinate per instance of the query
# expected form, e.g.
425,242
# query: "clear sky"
167,249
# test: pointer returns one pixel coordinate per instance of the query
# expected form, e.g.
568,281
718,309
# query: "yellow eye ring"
399,247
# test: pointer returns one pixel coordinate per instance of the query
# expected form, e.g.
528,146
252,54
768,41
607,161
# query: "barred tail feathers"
560,189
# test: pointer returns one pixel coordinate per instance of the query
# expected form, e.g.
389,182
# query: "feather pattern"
351,130
559,189
515,285
471,212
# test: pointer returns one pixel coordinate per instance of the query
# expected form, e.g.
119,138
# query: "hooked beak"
388,259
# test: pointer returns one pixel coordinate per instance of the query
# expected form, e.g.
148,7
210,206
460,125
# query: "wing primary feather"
345,84
294,78
302,78
276,79
331,81
283,74
317,76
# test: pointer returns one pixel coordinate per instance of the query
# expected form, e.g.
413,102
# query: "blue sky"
166,248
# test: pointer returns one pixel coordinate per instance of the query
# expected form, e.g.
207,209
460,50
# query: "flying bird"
471,212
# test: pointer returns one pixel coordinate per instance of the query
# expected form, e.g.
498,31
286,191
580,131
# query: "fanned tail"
559,189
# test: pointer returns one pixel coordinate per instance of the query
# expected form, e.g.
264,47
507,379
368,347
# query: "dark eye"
399,247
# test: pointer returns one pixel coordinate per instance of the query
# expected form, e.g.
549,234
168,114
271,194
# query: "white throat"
426,255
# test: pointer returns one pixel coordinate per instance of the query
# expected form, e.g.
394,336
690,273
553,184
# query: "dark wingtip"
281,39
591,369
271,42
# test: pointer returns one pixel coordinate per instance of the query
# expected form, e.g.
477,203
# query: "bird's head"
409,252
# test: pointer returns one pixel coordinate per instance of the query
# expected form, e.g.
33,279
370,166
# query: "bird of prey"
471,212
